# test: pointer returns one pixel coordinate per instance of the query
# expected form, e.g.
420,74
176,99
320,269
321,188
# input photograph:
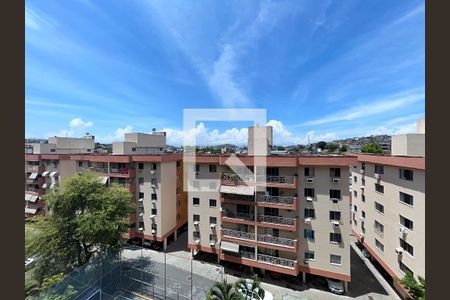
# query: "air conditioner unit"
197,241
152,172
154,201
335,180
403,229
362,187
335,223
212,243
221,209
353,210
309,199
307,220
362,218
153,231
362,171
45,185
141,214
309,180
153,186
306,261
399,250
196,223
141,229
141,199
153,216
362,235
377,176
213,226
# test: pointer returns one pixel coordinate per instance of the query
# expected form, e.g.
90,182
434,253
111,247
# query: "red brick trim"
338,276
397,161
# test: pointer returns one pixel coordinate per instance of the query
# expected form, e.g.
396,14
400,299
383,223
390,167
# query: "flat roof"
413,162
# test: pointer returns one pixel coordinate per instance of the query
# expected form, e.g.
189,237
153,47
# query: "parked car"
335,286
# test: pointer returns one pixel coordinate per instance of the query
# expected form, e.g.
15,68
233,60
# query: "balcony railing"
276,240
238,197
277,179
238,234
259,178
284,262
276,220
276,199
238,215
32,168
111,170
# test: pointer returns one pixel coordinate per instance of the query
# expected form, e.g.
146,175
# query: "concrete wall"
168,204
126,148
421,126
408,144
393,208
146,140
262,137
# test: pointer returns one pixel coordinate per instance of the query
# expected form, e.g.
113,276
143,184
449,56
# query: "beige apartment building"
292,220
138,163
388,205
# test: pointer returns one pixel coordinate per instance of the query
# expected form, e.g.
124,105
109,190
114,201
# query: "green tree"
371,148
416,288
331,147
321,145
344,148
223,291
85,217
250,289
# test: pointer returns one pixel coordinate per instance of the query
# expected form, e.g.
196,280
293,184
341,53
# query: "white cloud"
222,81
36,21
370,109
394,130
117,136
79,123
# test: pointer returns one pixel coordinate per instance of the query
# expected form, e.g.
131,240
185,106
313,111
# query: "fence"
137,273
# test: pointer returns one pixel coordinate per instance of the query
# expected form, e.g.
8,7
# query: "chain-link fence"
138,273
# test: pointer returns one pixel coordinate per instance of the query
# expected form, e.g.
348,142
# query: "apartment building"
388,213
155,180
293,219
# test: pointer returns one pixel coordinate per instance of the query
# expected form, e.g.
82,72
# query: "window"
355,208
178,216
335,194
309,192
154,196
355,193
335,172
335,237
309,234
153,166
407,247
196,168
309,255
178,191
178,163
154,226
310,213
196,201
89,164
52,150
363,214
379,207
154,211
153,181
335,215
406,174
141,180
140,209
141,166
133,149
212,202
379,245
309,172
406,198
196,218
406,222
141,225
379,188
178,203
80,164
378,226
212,220
212,168
363,198
141,195
355,179
212,237
335,259
363,166
379,169
363,182
404,268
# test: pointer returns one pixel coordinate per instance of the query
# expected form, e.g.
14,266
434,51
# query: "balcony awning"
104,179
231,247
45,174
34,198
45,185
28,197
33,176
240,189
31,209
53,174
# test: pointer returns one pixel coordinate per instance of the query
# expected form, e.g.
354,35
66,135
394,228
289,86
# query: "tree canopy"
84,217
371,148
321,145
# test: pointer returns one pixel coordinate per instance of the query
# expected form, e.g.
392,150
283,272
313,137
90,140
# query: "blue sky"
327,69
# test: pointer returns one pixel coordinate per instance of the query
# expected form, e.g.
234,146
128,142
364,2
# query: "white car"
335,286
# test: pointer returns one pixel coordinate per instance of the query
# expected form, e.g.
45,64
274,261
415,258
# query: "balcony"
250,179
263,261
115,172
238,217
238,234
277,222
31,168
278,241
237,199
288,202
